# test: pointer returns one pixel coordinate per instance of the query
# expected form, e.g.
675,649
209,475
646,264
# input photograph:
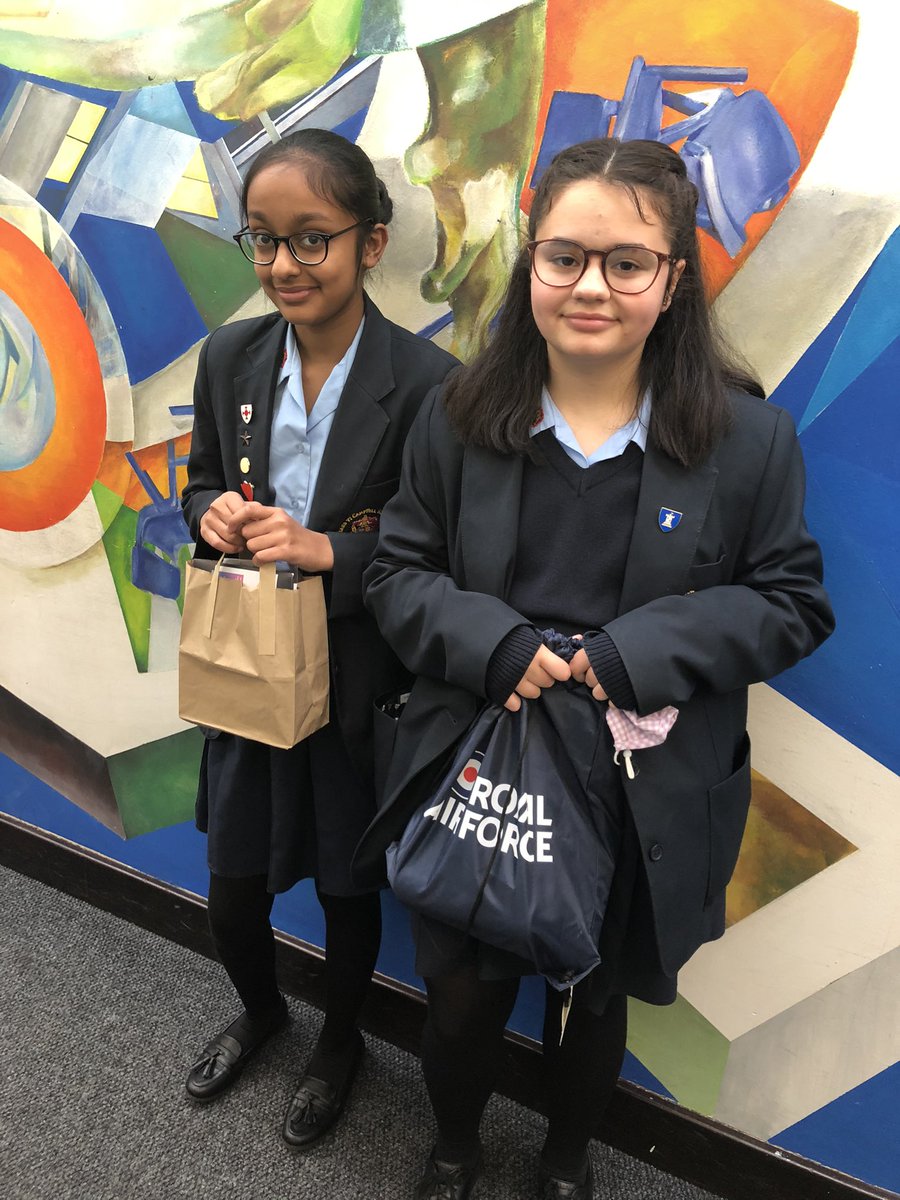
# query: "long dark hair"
336,169
685,362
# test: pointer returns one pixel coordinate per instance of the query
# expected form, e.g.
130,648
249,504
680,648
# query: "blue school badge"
669,519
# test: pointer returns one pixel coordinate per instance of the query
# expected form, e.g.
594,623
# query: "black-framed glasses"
310,249
558,262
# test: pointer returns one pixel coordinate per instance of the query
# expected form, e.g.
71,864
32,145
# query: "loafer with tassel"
317,1104
223,1059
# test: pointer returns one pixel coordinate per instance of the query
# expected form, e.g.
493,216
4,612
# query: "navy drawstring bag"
508,847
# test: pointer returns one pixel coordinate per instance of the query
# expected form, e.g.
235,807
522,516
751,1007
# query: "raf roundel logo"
669,519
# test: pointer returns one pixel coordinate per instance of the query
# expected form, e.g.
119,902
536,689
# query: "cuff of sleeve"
610,670
509,662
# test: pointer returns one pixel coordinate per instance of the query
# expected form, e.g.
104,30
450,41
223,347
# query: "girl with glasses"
604,470
299,423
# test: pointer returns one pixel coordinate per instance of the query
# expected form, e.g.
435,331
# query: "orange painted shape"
50,488
799,54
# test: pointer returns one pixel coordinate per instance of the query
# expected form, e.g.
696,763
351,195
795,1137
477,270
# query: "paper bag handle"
267,586
266,591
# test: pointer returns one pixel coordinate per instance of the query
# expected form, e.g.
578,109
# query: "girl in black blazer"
299,422
602,470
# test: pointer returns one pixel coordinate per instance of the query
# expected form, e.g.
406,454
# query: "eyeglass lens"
628,269
308,248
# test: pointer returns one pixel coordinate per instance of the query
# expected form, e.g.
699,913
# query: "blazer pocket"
370,499
706,575
387,711
729,802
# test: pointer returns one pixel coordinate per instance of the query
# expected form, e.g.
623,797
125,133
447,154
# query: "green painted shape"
107,501
156,784
682,1049
118,541
215,273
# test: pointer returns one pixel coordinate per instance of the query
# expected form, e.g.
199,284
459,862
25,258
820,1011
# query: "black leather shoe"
316,1105
447,1181
551,1188
223,1059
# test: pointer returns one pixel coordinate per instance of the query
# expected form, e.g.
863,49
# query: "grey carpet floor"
99,1024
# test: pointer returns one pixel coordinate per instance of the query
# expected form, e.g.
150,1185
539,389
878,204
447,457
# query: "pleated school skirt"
286,814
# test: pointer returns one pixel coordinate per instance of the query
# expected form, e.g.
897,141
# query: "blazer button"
655,852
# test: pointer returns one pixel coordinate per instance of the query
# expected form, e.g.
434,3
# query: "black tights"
239,912
461,1053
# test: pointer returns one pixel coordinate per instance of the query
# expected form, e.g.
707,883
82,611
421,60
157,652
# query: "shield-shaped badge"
669,519
246,413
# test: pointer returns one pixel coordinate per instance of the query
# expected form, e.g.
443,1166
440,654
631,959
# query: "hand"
545,669
218,526
582,670
271,535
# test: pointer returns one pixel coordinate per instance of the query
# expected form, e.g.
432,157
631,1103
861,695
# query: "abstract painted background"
121,154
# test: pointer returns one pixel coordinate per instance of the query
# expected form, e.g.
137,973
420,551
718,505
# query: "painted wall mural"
122,145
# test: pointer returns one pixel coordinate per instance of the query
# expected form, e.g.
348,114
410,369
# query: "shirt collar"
291,371
635,431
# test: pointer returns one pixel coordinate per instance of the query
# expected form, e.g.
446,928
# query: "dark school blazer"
730,595
391,374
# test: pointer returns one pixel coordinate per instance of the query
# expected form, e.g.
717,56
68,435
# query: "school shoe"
222,1060
317,1104
551,1188
447,1181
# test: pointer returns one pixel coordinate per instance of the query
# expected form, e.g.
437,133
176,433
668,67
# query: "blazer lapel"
360,423
489,519
256,388
659,558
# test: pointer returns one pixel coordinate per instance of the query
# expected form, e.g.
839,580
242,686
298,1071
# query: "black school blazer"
732,595
391,374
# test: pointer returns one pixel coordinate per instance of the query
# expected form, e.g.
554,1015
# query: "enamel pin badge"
669,519
247,413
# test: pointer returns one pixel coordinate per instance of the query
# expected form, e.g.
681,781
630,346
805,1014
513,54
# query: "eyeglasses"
626,269
310,249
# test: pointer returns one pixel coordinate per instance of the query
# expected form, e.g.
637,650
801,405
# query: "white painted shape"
399,108
79,670
809,1055
165,628
844,208
834,922
135,177
65,540
174,384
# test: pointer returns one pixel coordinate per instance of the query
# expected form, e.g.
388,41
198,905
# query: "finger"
590,678
555,666
513,703
528,689
598,693
579,665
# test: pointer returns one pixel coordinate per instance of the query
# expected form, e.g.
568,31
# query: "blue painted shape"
105,96
162,105
176,854
154,314
351,127
857,1133
738,150
795,389
203,124
635,1071
872,325
52,196
572,117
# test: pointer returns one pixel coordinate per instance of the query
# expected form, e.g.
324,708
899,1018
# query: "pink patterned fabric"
631,732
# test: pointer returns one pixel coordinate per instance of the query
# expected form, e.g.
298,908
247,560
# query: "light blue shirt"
298,439
635,431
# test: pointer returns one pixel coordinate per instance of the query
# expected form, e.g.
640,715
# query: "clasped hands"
232,524
547,668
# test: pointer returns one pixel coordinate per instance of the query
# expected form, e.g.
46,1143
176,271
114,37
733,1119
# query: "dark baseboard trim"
658,1131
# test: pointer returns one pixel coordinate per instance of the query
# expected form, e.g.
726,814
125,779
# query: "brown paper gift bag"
253,660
